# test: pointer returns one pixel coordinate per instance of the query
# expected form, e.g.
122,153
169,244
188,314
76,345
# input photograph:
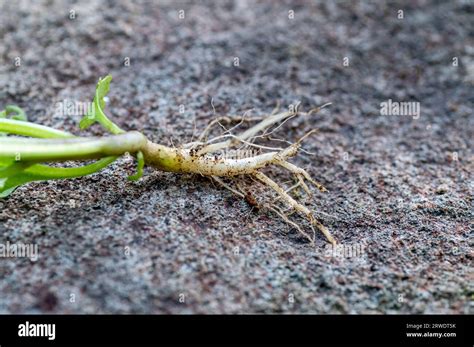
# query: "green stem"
43,150
18,127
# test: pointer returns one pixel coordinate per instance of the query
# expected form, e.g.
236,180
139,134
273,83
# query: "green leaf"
12,169
6,192
18,113
15,113
140,166
39,172
97,114
5,162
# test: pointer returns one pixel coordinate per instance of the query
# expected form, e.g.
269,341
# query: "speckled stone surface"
400,188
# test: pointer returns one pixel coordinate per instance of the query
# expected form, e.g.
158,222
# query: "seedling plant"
27,157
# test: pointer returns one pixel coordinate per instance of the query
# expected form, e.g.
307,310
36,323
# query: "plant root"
296,206
202,158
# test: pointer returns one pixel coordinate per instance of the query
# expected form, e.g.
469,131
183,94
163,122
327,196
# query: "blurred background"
399,186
